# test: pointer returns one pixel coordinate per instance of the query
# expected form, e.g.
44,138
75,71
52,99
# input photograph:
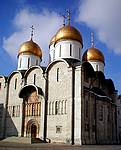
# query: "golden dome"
68,32
52,40
93,54
30,47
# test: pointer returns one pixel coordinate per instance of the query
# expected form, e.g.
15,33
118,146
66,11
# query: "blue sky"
103,17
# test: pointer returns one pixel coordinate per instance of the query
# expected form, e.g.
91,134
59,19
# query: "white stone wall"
77,108
14,123
59,91
3,91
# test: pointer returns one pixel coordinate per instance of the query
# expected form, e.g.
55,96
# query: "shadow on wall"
7,127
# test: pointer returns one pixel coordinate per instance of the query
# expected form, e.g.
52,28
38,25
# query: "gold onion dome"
93,54
68,32
30,47
52,41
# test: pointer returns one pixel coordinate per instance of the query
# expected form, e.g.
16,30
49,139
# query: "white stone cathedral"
69,101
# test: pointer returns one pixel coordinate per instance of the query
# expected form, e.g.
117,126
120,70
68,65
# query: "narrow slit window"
20,62
13,113
86,107
34,79
60,51
15,86
96,67
79,53
70,50
36,62
57,74
53,54
28,62
56,108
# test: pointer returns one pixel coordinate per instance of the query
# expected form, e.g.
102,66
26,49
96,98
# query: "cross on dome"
68,16
32,31
64,19
92,39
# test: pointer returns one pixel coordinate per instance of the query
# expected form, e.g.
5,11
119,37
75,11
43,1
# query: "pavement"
43,146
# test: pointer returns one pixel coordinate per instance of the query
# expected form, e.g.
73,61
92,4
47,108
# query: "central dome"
30,47
92,54
68,32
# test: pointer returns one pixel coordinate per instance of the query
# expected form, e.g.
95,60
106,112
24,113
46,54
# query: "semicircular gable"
56,61
88,68
13,73
110,85
4,78
33,68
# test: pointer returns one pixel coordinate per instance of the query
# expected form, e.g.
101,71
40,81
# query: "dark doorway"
33,131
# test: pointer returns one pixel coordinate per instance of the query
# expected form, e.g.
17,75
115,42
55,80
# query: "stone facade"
61,103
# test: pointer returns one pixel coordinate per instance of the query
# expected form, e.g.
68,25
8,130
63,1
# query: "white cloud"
104,16
45,23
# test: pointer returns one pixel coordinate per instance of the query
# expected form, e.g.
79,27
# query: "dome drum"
68,49
29,55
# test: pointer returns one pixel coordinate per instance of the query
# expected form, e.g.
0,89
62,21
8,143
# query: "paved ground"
14,146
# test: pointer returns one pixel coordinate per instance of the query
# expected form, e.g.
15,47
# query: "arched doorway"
33,131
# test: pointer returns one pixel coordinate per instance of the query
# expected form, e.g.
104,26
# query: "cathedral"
69,101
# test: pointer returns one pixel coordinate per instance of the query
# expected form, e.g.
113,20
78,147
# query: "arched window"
62,107
13,113
65,106
59,107
52,108
33,109
56,108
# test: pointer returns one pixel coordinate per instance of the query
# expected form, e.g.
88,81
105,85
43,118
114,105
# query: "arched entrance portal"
32,129
31,117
